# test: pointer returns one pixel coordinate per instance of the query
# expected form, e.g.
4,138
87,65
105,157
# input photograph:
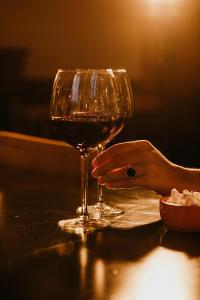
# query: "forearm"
186,178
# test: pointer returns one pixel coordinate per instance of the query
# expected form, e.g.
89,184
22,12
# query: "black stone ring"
130,172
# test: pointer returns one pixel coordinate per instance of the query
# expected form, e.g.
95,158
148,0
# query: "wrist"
187,178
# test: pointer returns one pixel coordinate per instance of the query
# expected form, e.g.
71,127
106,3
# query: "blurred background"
156,41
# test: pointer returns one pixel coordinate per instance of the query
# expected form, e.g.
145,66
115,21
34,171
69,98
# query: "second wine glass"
125,96
125,110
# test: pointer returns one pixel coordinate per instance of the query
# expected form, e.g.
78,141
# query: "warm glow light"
164,274
99,278
83,258
163,7
170,2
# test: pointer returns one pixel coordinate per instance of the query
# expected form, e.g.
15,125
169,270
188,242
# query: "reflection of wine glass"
101,209
85,109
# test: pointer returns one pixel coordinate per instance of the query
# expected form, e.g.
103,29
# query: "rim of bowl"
164,201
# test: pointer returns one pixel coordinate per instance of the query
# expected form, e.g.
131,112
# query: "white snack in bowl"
186,198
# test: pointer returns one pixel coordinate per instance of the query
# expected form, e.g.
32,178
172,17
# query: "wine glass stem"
84,216
100,199
100,194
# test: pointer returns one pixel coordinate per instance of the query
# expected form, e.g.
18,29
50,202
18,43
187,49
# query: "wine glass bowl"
125,110
85,110
84,107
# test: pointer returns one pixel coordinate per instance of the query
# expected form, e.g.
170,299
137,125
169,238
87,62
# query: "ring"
130,172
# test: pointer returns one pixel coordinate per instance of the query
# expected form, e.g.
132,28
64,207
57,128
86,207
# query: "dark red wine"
86,133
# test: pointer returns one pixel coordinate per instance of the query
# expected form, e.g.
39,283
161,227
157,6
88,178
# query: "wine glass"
84,109
100,208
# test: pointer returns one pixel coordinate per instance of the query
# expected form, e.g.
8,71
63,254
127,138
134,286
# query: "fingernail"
101,181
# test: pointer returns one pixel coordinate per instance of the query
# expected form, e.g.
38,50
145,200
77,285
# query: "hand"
153,170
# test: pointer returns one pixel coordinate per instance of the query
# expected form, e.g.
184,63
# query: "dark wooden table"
136,258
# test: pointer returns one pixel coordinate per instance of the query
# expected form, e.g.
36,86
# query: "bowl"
180,217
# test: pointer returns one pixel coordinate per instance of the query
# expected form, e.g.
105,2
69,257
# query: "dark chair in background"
23,101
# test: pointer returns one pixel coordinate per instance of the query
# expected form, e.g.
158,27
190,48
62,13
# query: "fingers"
121,155
140,181
122,149
116,162
120,174
119,179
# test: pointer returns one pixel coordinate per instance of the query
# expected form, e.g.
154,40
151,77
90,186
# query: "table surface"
135,258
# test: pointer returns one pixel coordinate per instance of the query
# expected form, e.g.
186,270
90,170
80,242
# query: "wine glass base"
99,211
78,227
